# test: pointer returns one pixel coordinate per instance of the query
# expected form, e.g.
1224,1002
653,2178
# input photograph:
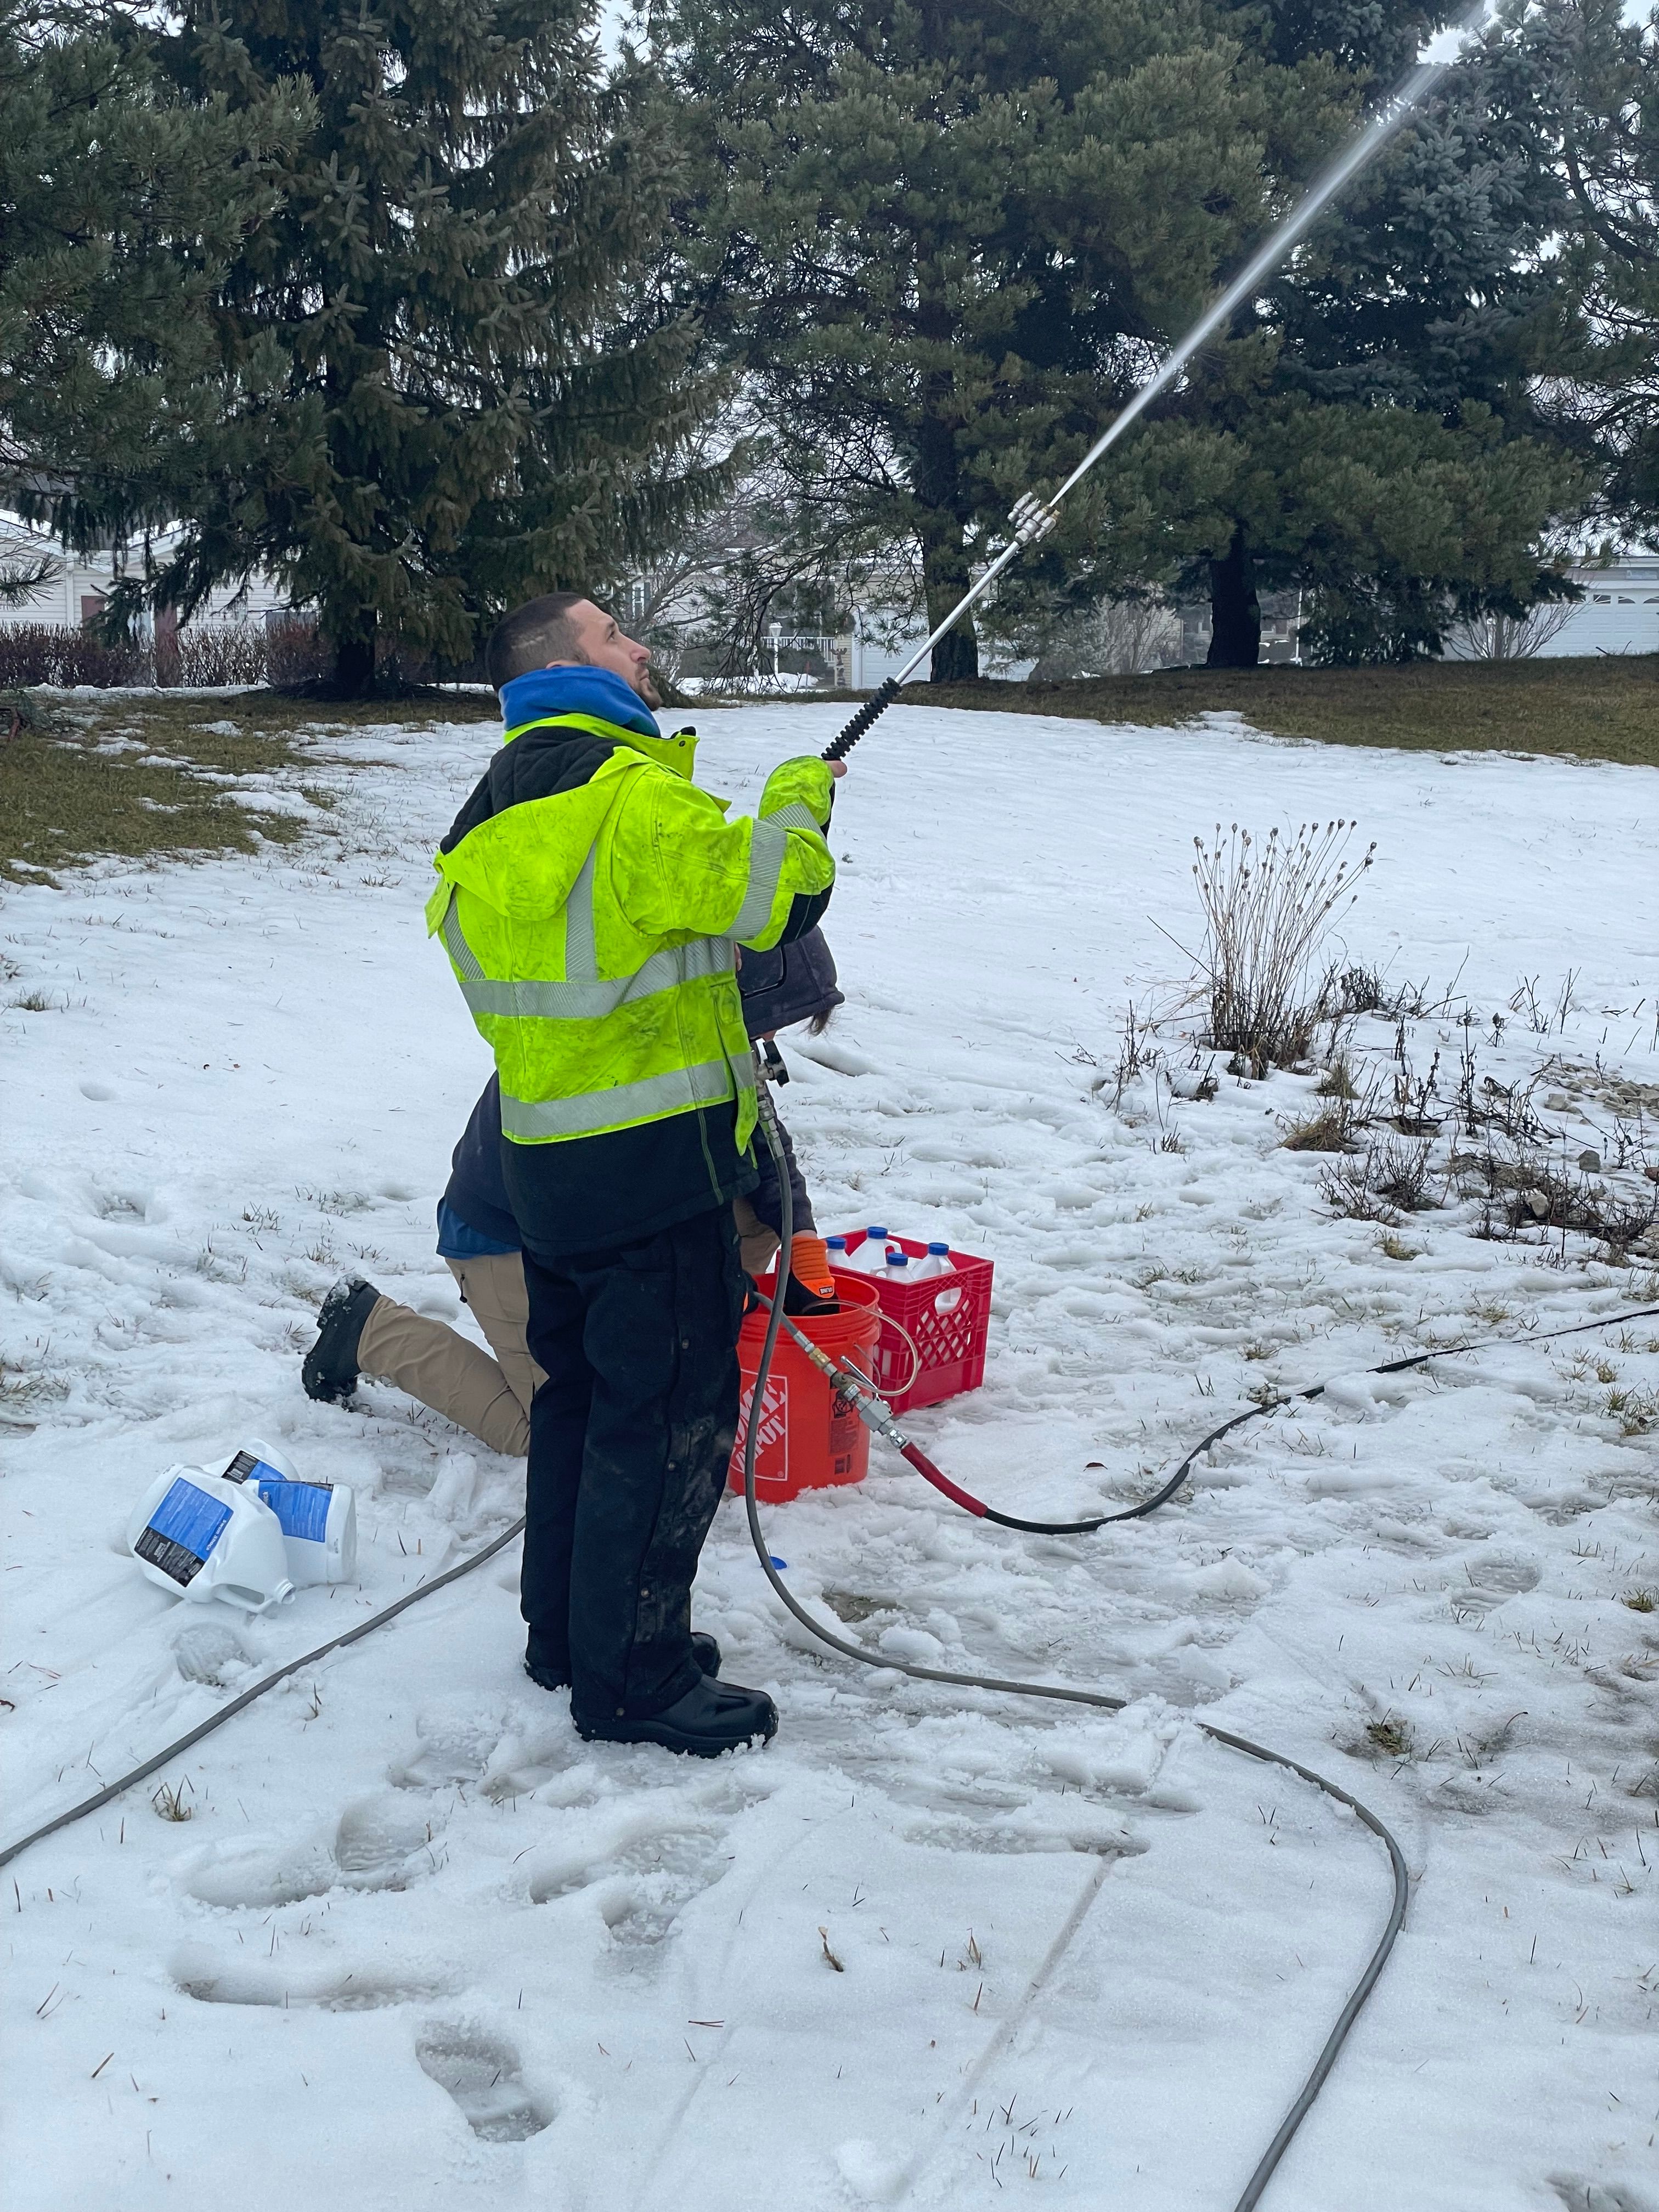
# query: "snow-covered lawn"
417,1945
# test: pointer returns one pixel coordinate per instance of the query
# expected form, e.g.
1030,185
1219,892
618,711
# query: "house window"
92,605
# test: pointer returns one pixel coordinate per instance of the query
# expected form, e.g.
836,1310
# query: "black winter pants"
629,1439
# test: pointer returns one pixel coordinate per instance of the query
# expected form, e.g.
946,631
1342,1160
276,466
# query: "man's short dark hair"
532,635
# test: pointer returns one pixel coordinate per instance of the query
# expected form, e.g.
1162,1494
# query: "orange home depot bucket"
811,1435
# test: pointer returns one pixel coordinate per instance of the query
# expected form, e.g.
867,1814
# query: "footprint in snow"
456,1743
536,1753
378,1843
736,1792
260,1873
380,1832
982,1815
212,1652
117,1206
1491,1583
481,2072
967,1800
243,1981
1062,1825
641,1886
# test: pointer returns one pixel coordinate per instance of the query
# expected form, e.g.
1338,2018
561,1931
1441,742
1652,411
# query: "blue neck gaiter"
575,690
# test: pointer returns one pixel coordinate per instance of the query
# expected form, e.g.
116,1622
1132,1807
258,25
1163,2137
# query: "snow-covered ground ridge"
416,1944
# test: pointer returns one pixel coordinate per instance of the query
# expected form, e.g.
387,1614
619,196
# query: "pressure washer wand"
1033,517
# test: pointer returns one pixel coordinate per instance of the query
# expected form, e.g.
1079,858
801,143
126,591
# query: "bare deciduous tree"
1119,637
1505,637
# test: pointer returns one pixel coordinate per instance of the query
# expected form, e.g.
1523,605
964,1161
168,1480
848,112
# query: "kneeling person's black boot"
711,1718
329,1370
548,1675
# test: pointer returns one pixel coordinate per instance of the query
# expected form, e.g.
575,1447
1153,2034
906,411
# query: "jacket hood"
529,878
791,983
575,690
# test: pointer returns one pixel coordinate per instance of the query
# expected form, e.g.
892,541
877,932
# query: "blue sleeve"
476,1192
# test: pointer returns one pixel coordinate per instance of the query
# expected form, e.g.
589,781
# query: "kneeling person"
362,1331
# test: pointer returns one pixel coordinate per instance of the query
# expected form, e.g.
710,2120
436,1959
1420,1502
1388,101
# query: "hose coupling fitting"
872,1408
1032,518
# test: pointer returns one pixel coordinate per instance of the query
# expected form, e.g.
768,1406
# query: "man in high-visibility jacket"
591,900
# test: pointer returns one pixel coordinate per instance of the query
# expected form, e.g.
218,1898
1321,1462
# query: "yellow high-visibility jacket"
591,898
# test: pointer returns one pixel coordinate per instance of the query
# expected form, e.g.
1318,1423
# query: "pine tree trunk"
354,658
944,576
939,490
1235,610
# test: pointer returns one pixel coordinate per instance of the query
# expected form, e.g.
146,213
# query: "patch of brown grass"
69,794
1325,1129
1390,1736
62,803
1605,708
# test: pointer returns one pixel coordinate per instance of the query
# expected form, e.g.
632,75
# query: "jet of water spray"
1034,517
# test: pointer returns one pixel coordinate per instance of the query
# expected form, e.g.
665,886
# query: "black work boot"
329,1370
710,1719
704,1650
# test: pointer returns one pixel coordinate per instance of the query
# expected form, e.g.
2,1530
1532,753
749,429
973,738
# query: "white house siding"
1618,613
87,577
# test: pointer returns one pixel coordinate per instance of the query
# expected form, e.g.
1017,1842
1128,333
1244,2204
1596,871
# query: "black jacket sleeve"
766,1198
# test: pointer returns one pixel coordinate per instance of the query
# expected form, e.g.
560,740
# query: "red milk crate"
947,1317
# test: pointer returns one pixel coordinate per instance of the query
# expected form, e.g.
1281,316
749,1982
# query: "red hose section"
837,1371
924,1466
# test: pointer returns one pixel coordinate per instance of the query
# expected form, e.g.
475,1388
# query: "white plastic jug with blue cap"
200,1536
318,1520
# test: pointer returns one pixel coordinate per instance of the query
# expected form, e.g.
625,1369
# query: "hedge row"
217,654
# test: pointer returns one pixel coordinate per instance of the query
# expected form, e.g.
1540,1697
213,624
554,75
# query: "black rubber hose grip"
875,705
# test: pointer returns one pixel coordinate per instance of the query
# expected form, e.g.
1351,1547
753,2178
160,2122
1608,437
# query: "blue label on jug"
183,1530
301,1508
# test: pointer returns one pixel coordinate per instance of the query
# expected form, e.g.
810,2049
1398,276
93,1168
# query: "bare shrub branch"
1267,905
1391,1179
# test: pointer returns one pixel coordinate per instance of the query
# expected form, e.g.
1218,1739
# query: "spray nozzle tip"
1032,518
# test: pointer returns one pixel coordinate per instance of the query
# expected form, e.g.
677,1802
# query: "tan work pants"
757,1245
489,1398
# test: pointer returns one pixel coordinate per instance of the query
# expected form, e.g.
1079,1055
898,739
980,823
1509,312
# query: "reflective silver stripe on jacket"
766,854
706,1084
798,815
455,943
584,999
580,961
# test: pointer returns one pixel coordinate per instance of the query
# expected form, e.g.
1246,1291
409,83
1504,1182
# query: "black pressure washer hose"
874,1412
924,1466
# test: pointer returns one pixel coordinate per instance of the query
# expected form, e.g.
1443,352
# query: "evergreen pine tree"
1601,64
943,237
949,241
119,205
1378,442
446,386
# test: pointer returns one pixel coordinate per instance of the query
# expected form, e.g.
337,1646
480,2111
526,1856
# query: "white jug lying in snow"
201,1536
246,1529
318,1519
